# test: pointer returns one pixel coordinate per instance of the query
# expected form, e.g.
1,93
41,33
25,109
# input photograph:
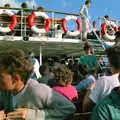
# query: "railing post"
40,58
53,23
21,23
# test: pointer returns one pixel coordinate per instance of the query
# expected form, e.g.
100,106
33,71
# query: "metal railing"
22,29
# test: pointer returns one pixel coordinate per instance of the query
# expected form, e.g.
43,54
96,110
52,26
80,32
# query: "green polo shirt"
108,108
89,60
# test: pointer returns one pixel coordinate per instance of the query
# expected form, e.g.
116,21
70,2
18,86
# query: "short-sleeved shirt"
104,85
84,11
108,108
89,60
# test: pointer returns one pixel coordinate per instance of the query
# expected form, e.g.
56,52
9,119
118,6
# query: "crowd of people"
58,89
54,92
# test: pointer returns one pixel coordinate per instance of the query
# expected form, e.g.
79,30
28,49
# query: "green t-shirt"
89,60
108,108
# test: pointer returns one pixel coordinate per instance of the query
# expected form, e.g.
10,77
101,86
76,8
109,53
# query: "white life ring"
13,21
33,26
104,31
64,25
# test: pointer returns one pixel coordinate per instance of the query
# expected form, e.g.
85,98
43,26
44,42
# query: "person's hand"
2,115
92,86
19,114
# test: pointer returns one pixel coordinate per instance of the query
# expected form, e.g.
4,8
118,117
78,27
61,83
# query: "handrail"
49,11
102,18
85,113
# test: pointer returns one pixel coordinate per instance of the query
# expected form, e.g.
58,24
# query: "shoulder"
38,89
102,109
109,79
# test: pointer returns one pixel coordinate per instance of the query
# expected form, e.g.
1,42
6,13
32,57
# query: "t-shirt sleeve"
59,109
82,60
100,112
82,9
97,92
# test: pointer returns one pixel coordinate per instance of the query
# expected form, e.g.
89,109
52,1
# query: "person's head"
7,5
94,24
24,5
113,54
31,55
63,76
88,3
15,69
106,17
88,49
41,9
76,61
44,70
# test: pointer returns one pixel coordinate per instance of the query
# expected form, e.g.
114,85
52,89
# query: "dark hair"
16,62
86,47
41,9
106,16
63,75
7,5
43,69
114,56
94,22
87,2
24,5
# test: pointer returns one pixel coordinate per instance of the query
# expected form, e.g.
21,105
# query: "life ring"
104,31
13,23
64,25
33,26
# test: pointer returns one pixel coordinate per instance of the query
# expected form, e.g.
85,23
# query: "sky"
98,8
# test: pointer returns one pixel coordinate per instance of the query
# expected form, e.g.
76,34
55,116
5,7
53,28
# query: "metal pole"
53,23
22,23
40,58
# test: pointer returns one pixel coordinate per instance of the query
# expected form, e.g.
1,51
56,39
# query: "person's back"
107,83
90,60
46,77
108,108
64,78
69,92
50,105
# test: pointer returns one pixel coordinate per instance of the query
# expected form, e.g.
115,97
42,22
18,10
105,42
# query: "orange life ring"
104,32
65,29
13,23
32,25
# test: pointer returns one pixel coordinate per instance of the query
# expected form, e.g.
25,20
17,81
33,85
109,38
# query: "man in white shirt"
85,18
106,83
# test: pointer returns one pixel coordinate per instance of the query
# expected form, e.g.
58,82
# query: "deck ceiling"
48,48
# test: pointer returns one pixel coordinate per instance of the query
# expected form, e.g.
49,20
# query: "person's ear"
16,78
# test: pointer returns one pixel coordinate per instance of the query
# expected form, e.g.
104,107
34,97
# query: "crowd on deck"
59,88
